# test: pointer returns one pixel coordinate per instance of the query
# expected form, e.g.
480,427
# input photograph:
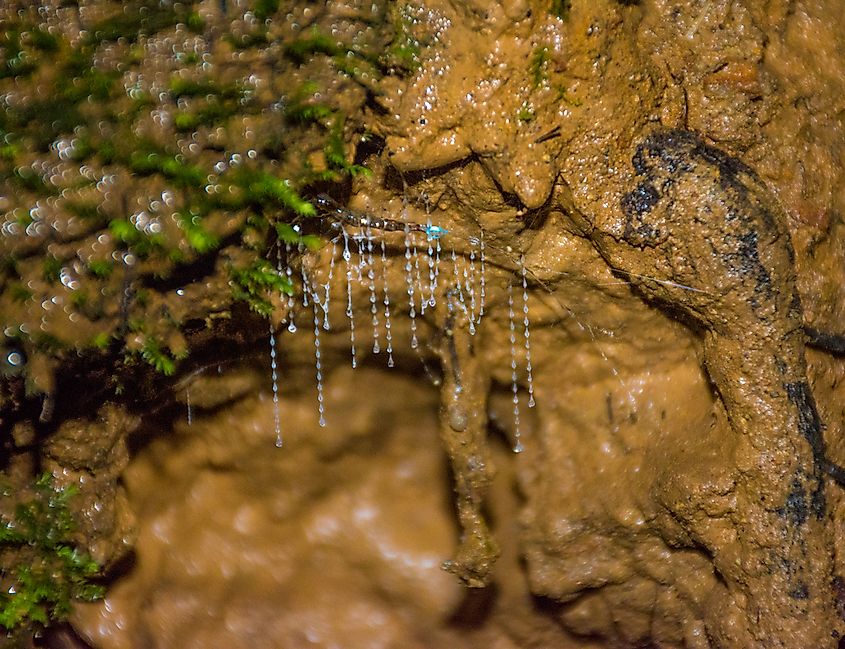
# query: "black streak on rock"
795,510
800,591
639,201
635,205
810,427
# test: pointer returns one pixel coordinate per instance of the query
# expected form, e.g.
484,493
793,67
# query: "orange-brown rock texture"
639,287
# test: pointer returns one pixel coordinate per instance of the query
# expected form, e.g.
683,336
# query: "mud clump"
704,237
311,544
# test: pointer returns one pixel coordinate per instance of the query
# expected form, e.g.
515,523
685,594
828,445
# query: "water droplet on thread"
328,287
483,278
409,277
517,433
418,274
277,426
289,276
471,279
349,313
318,365
457,274
437,250
362,258
347,256
527,333
371,277
303,272
388,334
432,273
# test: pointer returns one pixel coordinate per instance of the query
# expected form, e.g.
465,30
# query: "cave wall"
658,189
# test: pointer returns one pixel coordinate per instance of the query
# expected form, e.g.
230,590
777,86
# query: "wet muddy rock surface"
553,357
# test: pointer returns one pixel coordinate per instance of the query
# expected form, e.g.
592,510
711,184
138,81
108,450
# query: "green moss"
107,152
86,211
134,20
101,341
402,55
123,231
21,47
51,268
286,234
263,188
140,243
563,96
303,49
154,353
16,61
560,8
194,22
45,569
30,180
255,283
539,64
18,292
204,87
213,111
83,148
142,297
9,151
200,239
335,152
350,60
81,110
301,110
100,268
44,41
304,112
247,41
264,9
79,298
525,113
189,58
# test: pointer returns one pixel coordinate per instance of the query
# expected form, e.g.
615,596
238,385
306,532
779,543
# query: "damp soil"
659,190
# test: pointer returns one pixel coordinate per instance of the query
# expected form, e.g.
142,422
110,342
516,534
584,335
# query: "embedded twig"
831,343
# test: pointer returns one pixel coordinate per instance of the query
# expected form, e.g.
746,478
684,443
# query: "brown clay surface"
679,229
336,540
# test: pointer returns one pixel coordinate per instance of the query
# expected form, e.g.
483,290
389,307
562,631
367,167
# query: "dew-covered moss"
560,8
44,570
117,183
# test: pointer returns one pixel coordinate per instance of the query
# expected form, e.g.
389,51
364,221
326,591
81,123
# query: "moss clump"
118,187
538,68
253,282
42,571
560,8
525,113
